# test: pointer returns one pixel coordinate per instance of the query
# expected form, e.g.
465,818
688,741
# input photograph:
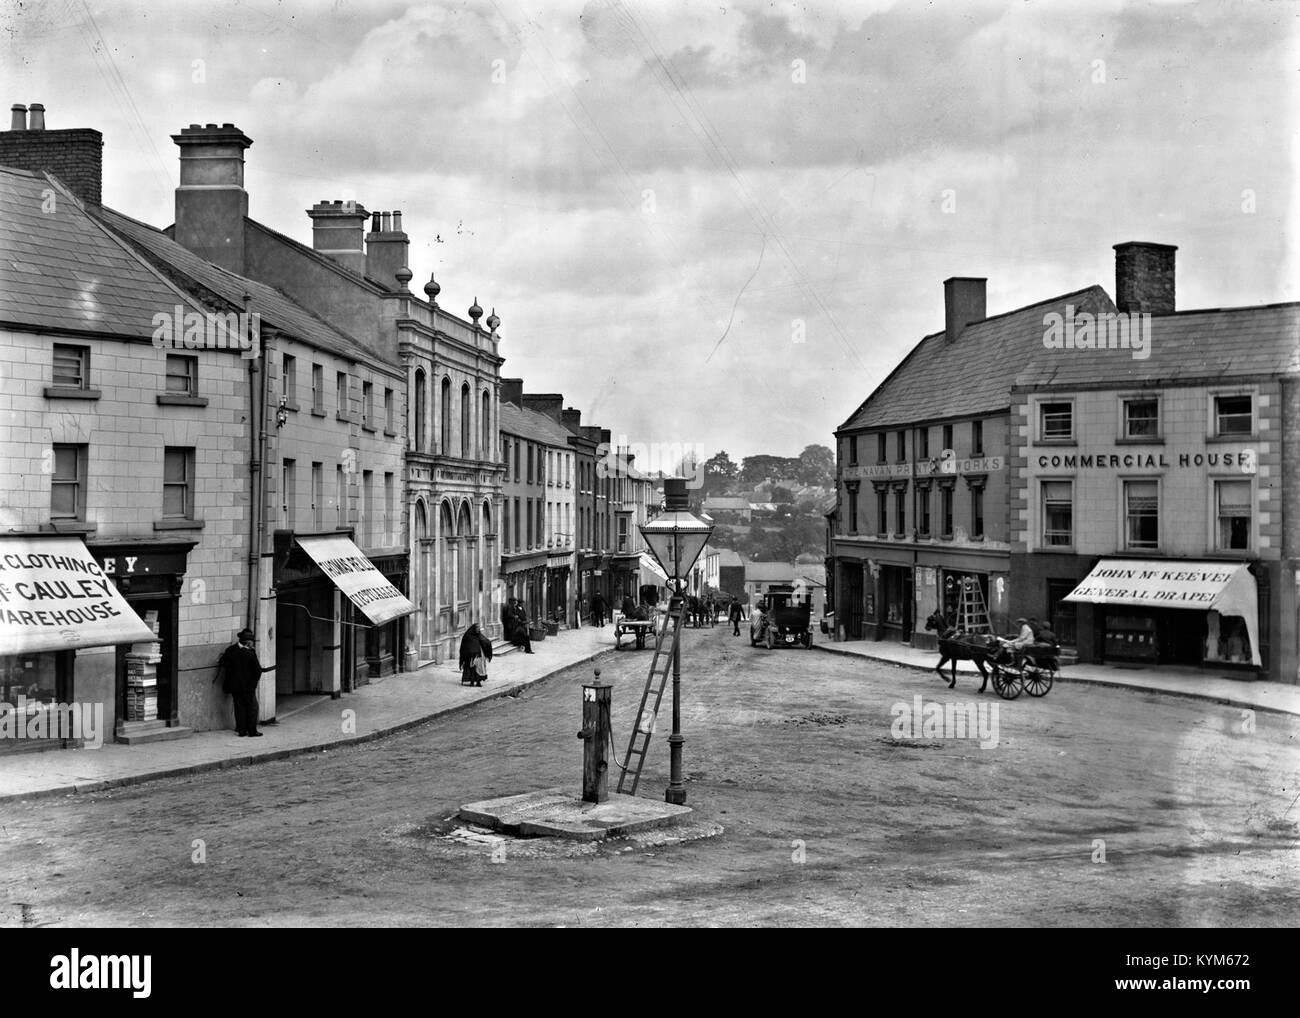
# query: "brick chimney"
572,419
963,304
512,391
211,203
74,155
338,231
387,249
1144,277
550,404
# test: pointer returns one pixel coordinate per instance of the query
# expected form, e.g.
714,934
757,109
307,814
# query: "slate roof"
530,424
724,503
769,572
1184,346
60,270
972,375
276,310
729,558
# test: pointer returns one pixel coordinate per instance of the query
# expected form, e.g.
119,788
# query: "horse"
955,646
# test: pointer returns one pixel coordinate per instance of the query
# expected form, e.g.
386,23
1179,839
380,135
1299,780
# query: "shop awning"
54,596
1224,587
356,576
649,565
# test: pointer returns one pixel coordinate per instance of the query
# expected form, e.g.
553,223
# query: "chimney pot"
963,304
19,122
397,222
36,117
386,219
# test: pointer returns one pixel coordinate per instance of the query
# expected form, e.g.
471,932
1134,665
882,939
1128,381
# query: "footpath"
304,724
1198,683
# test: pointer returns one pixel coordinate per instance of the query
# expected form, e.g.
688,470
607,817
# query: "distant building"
727,509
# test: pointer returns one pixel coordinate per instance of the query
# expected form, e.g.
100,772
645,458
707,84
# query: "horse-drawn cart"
1031,671
636,629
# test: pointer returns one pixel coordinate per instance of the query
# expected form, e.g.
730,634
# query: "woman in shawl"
472,645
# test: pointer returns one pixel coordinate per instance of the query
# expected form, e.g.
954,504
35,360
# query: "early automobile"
781,618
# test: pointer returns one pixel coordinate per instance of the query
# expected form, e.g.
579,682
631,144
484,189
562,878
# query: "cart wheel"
1006,684
1039,683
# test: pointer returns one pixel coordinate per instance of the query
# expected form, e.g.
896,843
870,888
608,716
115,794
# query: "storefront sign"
356,576
55,596
1242,460
939,466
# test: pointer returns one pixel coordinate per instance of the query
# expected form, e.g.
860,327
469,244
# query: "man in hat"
240,671
1025,639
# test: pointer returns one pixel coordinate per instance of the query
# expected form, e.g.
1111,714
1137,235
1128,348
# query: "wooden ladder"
972,613
660,667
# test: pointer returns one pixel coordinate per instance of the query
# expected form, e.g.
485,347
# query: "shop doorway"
853,601
164,669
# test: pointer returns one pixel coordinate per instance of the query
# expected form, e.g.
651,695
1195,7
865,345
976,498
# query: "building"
124,463
922,470
1149,496
561,503
731,573
727,509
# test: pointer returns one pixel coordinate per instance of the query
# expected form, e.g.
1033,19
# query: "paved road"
827,817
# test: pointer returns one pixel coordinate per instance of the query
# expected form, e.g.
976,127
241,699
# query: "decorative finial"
432,289
475,312
493,321
403,277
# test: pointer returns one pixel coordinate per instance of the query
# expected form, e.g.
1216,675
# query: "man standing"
597,610
240,671
735,614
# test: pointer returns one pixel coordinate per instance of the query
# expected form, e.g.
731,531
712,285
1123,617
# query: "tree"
817,466
780,494
757,469
722,464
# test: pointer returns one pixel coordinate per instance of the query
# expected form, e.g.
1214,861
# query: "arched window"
444,440
468,567
485,428
447,565
465,433
420,397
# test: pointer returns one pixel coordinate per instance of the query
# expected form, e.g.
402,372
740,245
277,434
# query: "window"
421,397
977,438
882,512
71,366
485,426
1142,514
947,436
853,450
945,510
517,455
540,535
341,496
68,485
368,506
977,512
923,443
505,524
182,375
388,411
923,510
622,533
528,508
1141,418
902,447
465,433
289,379
1232,510
530,463
900,510
1058,513
390,511
568,470
444,440
853,511
1232,415
368,405
318,496
882,445
288,501
341,390
1055,422
178,483
317,388
517,516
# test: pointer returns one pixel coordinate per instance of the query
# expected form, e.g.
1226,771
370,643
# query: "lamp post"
675,538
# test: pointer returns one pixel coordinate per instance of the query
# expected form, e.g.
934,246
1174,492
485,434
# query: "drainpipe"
257,437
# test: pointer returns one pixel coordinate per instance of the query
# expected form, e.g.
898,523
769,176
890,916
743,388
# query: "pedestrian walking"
735,615
475,653
578,606
240,671
515,620
598,610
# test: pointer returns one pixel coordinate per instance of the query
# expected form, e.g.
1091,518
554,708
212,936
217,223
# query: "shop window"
1233,415
178,483
1141,418
1233,512
1058,513
71,366
1055,422
977,438
1142,514
182,375
68,485
945,510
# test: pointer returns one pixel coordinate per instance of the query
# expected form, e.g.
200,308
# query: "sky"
715,225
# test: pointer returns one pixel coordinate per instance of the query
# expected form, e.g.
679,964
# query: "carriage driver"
1025,639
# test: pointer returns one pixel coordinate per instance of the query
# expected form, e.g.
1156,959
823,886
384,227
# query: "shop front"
65,629
558,568
1171,612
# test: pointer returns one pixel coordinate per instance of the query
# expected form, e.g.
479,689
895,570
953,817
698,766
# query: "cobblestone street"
826,818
